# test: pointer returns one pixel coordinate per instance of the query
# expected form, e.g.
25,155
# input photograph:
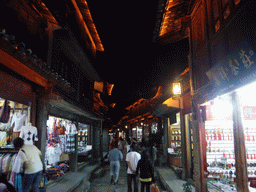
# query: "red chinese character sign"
249,112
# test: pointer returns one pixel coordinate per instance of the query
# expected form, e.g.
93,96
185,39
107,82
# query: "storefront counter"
84,153
175,160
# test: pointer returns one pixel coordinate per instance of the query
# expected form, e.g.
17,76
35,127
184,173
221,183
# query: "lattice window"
221,9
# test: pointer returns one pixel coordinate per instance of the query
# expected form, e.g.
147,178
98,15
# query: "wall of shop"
105,140
222,60
16,90
97,140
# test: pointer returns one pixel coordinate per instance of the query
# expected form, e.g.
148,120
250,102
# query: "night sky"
131,61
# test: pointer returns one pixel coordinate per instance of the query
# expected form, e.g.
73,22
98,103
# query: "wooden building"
222,42
139,122
222,72
47,51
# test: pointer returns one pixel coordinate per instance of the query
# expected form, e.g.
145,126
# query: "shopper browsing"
132,159
32,164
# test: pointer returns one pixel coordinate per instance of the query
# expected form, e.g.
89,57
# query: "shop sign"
236,68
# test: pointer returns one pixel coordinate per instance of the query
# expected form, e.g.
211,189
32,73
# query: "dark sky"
131,61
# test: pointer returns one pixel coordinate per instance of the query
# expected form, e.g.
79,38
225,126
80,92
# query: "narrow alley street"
102,183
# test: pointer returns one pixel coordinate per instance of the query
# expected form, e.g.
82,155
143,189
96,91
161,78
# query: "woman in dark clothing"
146,171
5,185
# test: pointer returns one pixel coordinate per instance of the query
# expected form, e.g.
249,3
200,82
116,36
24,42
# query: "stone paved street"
102,184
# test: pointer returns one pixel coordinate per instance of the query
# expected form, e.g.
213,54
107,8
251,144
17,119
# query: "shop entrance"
220,139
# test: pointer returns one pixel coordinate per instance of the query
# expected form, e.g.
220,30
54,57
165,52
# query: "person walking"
143,145
128,145
132,159
145,169
112,143
31,163
153,154
114,156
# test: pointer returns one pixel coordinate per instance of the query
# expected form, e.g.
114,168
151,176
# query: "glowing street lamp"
176,89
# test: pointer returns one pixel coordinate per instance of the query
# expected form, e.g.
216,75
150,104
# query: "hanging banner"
237,68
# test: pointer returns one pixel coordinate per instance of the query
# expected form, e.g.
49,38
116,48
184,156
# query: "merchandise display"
11,165
220,150
29,134
84,150
83,137
60,140
13,116
174,134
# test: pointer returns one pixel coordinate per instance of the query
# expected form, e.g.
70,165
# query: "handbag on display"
154,188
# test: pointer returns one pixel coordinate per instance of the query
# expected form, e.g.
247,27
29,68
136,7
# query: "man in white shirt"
132,159
32,164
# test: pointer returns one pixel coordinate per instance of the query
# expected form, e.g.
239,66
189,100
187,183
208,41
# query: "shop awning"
59,102
164,109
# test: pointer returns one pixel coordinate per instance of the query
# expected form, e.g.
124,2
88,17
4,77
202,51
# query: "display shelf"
174,136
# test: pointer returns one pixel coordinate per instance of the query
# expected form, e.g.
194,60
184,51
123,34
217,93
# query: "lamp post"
177,93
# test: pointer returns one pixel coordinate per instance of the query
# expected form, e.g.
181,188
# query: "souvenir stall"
60,144
14,122
221,162
84,148
174,145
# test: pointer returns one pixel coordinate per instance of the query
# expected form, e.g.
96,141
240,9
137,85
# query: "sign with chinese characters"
239,67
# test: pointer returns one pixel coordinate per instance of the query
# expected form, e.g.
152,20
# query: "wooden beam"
23,70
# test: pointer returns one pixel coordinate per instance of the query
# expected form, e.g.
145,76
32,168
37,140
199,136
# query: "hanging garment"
7,126
71,128
13,168
70,143
5,112
3,138
53,155
29,134
5,162
18,182
19,120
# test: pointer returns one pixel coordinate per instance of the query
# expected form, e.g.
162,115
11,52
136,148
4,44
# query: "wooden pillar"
93,142
240,153
74,157
183,143
101,141
199,145
41,124
188,146
165,137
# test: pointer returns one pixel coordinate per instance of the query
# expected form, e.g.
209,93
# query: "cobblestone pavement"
102,184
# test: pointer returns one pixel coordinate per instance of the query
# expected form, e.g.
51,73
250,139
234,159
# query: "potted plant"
187,187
